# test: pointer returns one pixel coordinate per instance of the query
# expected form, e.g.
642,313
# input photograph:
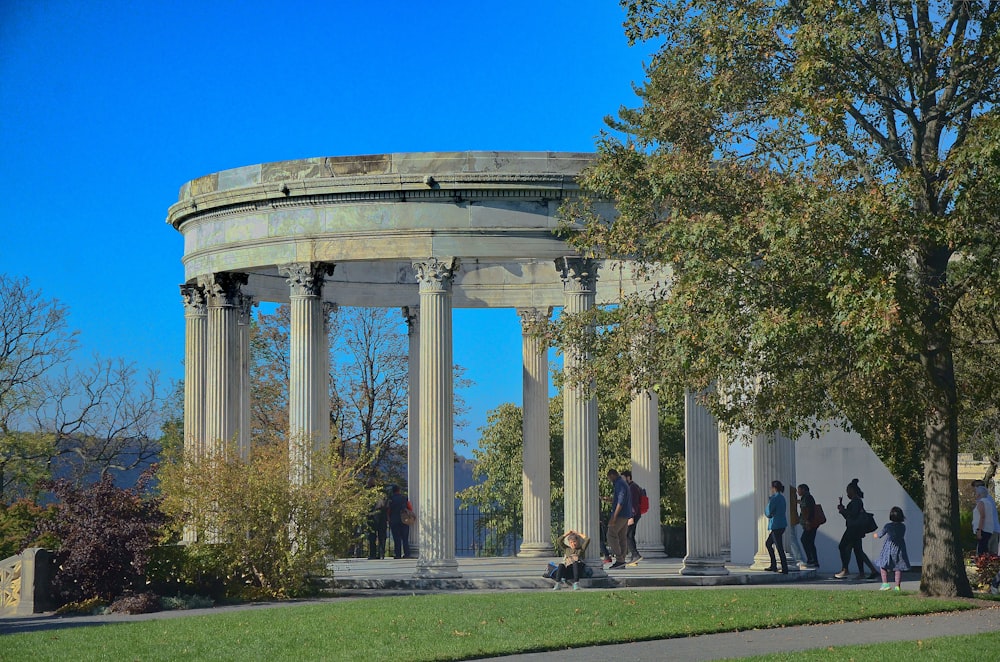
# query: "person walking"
635,495
572,545
400,531
854,516
893,556
621,510
995,538
807,519
777,522
984,516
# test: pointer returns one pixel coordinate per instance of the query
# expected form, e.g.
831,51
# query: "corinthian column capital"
306,278
246,305
223,289
533,318
578,273
436,275
194,300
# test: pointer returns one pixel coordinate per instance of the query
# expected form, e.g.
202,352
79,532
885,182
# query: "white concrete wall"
826,465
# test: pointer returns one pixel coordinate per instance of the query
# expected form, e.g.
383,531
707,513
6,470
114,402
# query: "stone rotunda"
424,233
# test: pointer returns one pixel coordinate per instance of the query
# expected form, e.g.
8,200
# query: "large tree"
821,179
82,421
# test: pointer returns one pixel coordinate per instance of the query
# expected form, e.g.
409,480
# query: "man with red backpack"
638,498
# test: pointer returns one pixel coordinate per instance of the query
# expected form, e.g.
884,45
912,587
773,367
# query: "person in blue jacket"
777,522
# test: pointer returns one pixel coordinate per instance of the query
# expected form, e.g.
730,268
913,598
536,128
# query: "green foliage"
18,522
497,491
257,532
105,536
811,187
499,461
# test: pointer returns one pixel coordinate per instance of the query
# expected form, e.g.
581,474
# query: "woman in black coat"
854,516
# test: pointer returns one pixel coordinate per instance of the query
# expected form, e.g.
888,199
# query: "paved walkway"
356,578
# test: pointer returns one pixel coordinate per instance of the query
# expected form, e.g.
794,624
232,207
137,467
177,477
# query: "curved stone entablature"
372,216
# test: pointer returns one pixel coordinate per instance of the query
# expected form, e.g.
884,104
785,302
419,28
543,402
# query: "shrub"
88,607
136,603
263,536
105,536
186,602
987,567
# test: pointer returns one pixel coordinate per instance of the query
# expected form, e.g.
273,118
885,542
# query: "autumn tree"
820,181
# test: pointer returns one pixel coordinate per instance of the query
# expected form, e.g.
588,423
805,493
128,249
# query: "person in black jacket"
854,533
400,532
807,515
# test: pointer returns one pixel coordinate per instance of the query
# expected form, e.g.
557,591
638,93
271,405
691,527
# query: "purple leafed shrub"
106,535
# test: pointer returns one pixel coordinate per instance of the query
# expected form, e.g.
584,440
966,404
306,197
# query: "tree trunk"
943,566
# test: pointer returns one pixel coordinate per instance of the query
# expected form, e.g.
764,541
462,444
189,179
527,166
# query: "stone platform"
493,573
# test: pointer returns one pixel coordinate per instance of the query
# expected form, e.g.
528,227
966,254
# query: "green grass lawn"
457,626
945,649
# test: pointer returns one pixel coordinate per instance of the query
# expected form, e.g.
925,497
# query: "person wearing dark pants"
807,517
400,532
853,514
635,492
777,522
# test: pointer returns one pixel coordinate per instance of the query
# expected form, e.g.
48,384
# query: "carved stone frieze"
306,278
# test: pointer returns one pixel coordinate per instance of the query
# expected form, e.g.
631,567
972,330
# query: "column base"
651,552
704,567
441,569
532,550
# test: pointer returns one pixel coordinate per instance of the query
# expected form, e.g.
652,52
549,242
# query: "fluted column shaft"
222,370
437,453
195,330
770,457
246,309
645,426
701,460
412,316
724,497
536,488
579,276
307,380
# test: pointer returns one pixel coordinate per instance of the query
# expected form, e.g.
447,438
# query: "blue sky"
107,108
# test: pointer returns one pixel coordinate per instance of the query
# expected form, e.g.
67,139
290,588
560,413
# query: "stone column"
724,513
701,474
579,276
222,371
645,421
246,310
412,316
770,456
308,431
195,330
437,452
536,489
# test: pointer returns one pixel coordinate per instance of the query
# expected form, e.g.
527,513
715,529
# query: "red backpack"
643,503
